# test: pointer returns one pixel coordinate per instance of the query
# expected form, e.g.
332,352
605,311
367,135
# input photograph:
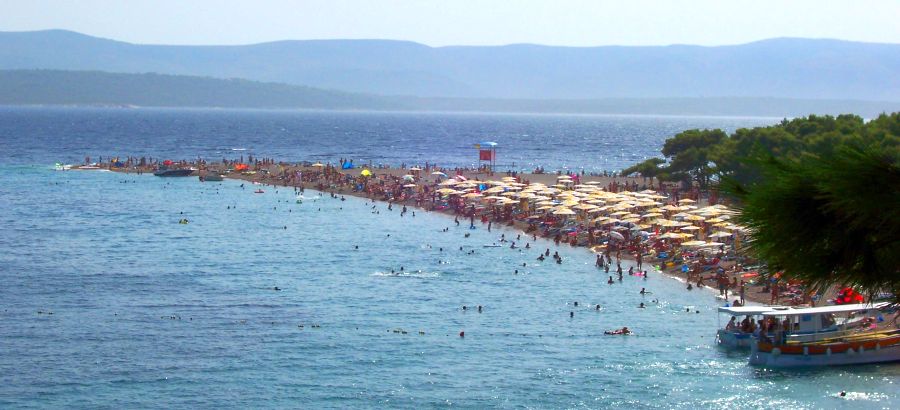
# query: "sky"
461,22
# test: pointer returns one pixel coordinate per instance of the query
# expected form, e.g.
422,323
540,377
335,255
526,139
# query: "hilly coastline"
775,68
93,88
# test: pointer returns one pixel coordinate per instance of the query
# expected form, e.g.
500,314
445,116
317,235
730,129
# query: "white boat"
827,336
735,338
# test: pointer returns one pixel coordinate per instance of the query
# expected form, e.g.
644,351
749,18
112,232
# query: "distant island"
777,68
93,88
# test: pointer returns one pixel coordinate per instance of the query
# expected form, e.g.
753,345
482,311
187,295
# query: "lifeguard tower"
487,153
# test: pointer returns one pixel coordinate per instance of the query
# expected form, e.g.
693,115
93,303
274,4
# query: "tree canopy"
828,219
703,156
820,194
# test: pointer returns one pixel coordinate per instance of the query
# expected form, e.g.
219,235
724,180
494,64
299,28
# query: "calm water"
105,254
594,143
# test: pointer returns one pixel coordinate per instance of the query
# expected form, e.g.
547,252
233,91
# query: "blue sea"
106,301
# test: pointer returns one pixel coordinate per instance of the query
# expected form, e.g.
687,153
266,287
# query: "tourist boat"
735,338
178,172
827,336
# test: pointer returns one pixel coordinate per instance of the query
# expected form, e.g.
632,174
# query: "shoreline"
329,179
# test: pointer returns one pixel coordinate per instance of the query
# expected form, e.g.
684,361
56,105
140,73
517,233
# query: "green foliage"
821,194
704,156
649,168
691,153
828,219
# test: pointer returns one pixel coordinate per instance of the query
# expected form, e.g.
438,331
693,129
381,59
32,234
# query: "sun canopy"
748,310
827,309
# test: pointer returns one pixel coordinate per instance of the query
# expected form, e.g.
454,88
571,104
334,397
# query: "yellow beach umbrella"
694,243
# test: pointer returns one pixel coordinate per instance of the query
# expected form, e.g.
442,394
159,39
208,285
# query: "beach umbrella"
408,177
694,243
410,186
669,235
167,162
720,234
563,211
689,228
318,165
472,195
616,235
439,173
686,201
415,169
366,173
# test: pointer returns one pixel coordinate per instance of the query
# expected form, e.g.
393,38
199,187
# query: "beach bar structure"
487,152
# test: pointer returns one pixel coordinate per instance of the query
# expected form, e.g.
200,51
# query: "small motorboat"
259,191
178,172
211,178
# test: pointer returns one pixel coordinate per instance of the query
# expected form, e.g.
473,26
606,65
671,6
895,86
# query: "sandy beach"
419,187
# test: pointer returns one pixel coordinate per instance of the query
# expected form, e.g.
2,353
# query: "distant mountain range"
777,68
92,88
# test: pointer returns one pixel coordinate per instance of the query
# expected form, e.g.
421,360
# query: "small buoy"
462,334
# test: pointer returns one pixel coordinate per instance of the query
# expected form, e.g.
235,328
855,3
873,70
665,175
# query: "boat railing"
840,335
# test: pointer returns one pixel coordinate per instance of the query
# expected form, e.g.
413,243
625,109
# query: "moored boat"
826,336
178,172
211,178
740,333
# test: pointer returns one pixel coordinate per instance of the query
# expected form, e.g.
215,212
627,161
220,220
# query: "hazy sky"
461,22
